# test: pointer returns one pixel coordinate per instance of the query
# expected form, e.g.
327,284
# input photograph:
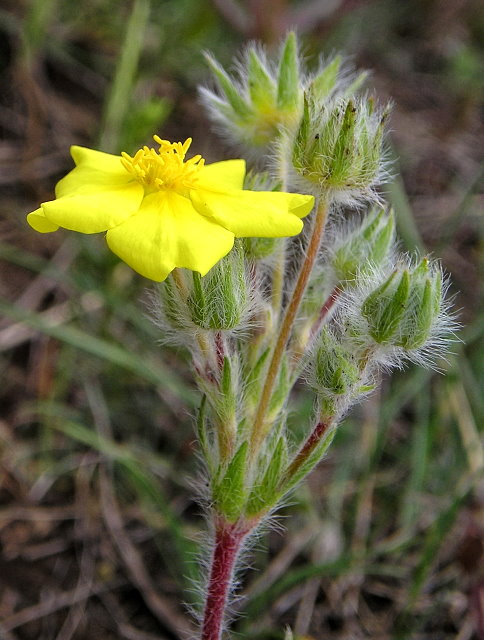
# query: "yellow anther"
165,168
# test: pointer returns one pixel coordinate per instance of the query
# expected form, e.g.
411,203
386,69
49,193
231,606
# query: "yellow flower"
162,211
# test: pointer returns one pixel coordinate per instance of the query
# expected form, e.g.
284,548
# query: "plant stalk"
258,431
308,447
228,541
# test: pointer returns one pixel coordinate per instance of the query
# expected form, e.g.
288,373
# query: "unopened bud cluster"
402,311
329,138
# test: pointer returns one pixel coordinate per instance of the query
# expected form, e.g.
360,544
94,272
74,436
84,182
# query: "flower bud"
220,300
402,311
334,371
368,245
338,147
263,99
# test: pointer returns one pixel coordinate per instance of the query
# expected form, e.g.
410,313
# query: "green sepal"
232,93
324,83
230,493
218,300
344,149
423,307
299,152
260,248
403,314
334,372
385,307
261,85
265,493
357,83
437,294
338,142
197,301
367,246
288,75
174,307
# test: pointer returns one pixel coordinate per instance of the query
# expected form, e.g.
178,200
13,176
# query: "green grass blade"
118,102
155,373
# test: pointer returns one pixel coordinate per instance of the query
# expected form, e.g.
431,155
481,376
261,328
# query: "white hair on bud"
351,321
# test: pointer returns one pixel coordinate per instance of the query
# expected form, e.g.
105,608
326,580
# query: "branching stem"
259,430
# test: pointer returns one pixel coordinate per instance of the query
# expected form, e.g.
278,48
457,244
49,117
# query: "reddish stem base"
228,541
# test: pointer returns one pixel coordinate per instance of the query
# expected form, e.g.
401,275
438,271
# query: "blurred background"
99,528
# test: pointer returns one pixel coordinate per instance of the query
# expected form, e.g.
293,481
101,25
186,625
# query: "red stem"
312,440
228,540
219,349
325,309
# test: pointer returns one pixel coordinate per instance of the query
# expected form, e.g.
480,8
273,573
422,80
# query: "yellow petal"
166,233
92,213
39,222
298,204
95,171
263,214
99,160
220,176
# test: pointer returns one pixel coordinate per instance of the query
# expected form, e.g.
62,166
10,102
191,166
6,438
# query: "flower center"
165,168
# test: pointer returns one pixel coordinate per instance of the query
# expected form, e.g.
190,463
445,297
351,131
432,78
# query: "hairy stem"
258,429
280,265
308,447
309,336
325,309
278,278
228,542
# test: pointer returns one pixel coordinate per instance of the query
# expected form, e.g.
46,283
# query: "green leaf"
311,461
230,493
265,494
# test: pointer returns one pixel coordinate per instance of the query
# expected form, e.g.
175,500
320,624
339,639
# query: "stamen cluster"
165,168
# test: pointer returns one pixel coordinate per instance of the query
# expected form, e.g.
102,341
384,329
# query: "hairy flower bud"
367,246
263,99
402,311
334,371
337,149
221,299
